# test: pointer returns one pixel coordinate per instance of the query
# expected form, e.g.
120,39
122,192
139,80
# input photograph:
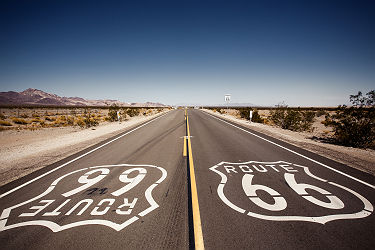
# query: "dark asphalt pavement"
132,192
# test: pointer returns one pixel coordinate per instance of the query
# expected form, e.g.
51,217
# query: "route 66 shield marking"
286,188
95,199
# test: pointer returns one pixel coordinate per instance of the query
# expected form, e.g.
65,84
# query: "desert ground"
47,137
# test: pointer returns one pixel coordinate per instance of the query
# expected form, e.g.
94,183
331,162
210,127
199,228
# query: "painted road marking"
198,236
47,209
328,201
294,152
184,153
77,158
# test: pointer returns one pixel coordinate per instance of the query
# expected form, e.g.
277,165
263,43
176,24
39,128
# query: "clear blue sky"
306,53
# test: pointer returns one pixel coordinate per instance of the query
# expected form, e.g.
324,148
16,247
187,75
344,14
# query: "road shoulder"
24,152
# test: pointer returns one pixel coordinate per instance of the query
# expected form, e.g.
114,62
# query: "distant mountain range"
38,97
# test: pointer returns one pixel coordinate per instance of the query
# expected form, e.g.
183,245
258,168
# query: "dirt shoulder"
25,151
362,159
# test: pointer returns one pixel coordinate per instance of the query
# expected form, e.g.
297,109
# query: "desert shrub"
320,112
291,119
256,117
132,112
51,119
355,126
35,120
245,113
2,116
90,122
60,121
112,113
35,115
80,122
19,121
70,120
5,123
24,116
88,119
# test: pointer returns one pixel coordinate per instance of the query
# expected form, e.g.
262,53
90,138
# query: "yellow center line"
198,236
185,151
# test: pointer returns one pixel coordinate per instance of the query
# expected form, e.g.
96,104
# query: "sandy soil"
362,159
25,151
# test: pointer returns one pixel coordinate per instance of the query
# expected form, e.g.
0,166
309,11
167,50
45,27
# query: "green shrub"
291,119
355,126
256,117
245,113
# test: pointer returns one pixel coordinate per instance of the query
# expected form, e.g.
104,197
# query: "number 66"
280,202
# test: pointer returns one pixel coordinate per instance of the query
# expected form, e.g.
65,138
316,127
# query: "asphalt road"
142,190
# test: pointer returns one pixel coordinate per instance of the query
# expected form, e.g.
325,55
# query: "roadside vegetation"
292,119
355,125
85,117
352,125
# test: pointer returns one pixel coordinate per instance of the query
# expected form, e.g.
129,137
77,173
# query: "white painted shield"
261,182
90,199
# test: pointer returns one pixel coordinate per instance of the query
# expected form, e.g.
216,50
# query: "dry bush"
36,120
24,116
70,120
292,119
355,126
5,123
80,122
50,118
112,113
2,116
19,121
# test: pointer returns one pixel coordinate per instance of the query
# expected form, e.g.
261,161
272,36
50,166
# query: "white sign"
290,187
61,206
227,98
251,115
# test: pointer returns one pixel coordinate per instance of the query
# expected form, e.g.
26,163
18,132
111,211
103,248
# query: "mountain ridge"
33,96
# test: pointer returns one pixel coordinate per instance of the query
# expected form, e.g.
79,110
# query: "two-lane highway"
178,183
